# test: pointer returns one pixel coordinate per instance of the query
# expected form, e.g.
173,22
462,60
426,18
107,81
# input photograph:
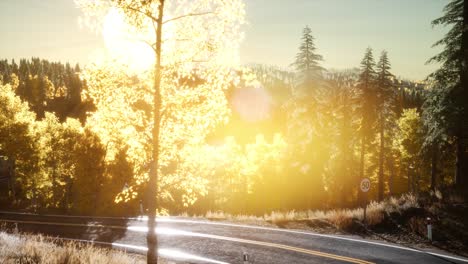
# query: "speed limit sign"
365,185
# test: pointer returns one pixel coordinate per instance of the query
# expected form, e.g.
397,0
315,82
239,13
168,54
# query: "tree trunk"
346,154
392,177
434,166
152,192
381,159
361,169
416,177
12,169
54,187
460,173
409,179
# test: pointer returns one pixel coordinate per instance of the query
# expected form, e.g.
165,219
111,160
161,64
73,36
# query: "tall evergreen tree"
306,117
307,61
342,97
385,99
450,96
366,84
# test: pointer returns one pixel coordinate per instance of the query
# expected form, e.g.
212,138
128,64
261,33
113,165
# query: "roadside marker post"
245,257
429,229
365,187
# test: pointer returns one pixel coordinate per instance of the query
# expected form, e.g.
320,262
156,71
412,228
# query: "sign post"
365,187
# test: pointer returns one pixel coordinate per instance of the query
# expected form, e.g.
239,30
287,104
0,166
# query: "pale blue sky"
343,30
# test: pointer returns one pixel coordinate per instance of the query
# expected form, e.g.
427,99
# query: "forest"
246,140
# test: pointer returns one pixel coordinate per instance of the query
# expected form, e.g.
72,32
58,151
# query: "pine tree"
366,85
409,140
449,98
342,97
307,61
385,99
308,125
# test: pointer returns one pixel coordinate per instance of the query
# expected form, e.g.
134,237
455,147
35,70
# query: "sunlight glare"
252,103
126,45
185,256
170,253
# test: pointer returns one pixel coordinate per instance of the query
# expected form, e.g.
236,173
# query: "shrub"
341,219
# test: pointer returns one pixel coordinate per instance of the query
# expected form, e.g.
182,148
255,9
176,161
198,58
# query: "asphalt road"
192,241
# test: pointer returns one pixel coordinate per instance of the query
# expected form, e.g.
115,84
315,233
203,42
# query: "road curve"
192,241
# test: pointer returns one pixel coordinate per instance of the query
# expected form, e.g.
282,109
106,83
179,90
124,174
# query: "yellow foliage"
199,63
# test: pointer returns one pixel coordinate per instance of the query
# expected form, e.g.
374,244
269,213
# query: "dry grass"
341,218
217,215
35,249
221,216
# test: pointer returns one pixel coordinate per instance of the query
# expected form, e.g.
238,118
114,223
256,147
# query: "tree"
47,86
264,161
307,63
452,79
54,143
49,156
279,83
60,146
17,139
436,110
306,124
384,107
341,100
86,193
201,29
366,85
410,138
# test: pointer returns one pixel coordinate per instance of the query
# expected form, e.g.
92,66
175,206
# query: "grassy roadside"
37,249
340,219
401,220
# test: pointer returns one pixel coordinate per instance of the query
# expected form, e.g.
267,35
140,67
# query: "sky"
342,29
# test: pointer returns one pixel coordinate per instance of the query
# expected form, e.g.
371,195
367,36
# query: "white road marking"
172,220
169,220
171,253
170,231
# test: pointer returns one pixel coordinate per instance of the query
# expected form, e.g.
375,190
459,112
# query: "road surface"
192,241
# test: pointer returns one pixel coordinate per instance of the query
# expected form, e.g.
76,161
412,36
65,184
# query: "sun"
130,45
124,44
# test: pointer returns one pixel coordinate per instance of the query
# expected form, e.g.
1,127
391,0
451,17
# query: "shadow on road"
103,229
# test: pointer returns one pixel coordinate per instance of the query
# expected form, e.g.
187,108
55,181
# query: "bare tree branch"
154,24
148,14
152,45
188,15
179,39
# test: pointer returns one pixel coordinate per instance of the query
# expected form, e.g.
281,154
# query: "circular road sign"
365,185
